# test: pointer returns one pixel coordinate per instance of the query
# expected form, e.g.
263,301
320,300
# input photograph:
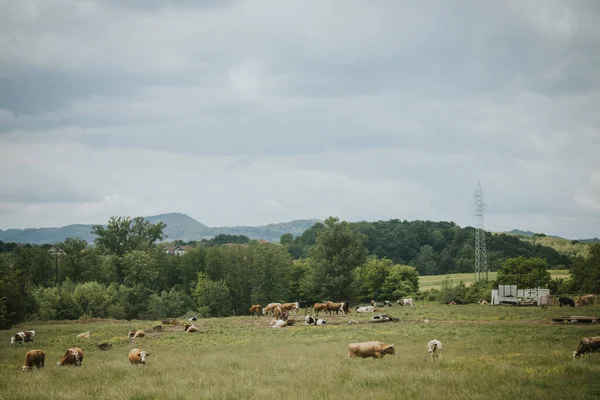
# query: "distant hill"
179,227
529,233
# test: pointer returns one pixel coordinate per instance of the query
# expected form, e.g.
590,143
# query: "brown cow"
370,349
291,306
587,345
73,356
255,309
157,328
585,300
269,308
34,358
136,334
105,346
138,356
170,322
320,307
277,311
191,329
337,307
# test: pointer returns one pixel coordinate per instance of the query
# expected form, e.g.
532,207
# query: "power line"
481,267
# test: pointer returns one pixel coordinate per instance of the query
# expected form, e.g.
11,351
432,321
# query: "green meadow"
488,353
435,281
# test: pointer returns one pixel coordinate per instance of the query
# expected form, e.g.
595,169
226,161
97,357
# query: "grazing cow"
157,328
136,334
138,356
483,302
370,349
434,347
34,358
73,356
105,346
255,309
585,300
291,306
565,301
406,302
269,308
387,303
337,307
85,335
22,337
587,345
320,307
365,309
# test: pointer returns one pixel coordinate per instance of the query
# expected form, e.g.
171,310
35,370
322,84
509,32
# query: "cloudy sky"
252,112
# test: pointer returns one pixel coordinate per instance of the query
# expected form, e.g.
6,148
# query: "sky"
254,112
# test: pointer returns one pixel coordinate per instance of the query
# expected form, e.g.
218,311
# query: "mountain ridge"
179,227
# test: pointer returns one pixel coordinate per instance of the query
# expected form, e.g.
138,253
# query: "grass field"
435,281
488,352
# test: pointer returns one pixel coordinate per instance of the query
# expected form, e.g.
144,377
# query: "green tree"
286,239
92,297
585,272
212,297
140,268
401,281
74,258
524,272
338,251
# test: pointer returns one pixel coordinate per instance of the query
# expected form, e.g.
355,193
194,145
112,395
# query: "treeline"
127,275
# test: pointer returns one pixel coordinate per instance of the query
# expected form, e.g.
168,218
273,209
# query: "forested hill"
179,227
444,247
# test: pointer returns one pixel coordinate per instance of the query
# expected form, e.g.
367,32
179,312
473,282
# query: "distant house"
56,251
177,250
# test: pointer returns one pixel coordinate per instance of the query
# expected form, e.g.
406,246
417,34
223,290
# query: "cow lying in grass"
73,356
136,333
308,320
85,335
434,347
191,328
370,349
34,358
365,309
138,356
105,346
587,345
22,337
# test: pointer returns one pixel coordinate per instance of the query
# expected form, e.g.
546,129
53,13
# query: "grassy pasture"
489,352
435,281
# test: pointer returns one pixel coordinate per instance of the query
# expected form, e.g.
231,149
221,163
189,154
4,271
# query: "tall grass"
488,352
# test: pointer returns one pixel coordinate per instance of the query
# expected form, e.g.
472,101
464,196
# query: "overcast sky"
252,112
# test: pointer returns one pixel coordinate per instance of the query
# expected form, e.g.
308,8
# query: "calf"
587,345
34,358
138,356
105,346
136,333
73,356
565,301
370,349
434,347
85,335
255,309
22,337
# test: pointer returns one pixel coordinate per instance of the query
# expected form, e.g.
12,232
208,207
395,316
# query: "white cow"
406,302
365,309
434,347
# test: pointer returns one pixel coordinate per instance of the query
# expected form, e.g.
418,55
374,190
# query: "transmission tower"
481,267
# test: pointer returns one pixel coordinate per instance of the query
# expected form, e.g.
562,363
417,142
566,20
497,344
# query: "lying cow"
191,329
105,346
365,309
387,303
34,358
314,321
566,301
22,337
73,356
138,356
483,302
255,309
434,347
136,333
370,349
170,322
157,328
85,335
320,307
587,345
194,318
